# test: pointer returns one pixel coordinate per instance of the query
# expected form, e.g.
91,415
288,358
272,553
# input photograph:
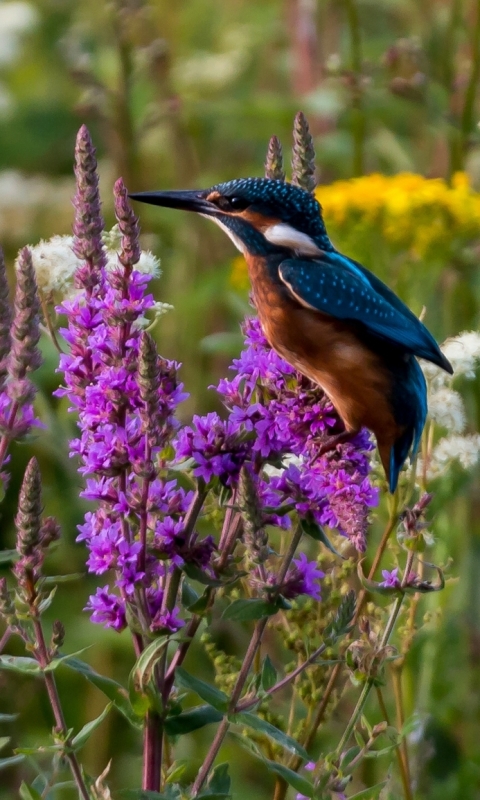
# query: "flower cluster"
276,414
412,213
447,409
125,396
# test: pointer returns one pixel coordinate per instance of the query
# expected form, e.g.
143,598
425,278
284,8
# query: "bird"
328,316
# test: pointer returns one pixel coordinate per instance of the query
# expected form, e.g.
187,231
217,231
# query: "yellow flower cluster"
404,213
408,211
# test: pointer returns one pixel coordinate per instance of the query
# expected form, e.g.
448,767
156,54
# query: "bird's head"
262,216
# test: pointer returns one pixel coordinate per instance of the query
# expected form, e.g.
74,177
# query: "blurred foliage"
188,94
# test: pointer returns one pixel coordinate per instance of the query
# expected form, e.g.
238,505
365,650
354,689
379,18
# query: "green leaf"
4,740
310,527
8,556
201,604
262,726
300,784
197,574
55,662
192,720
70,578
28,792
22,664
369,794
213,696
113,690
268,677
189,595
349,756
219,784
9,762
47,601
84,734
143,668
245,610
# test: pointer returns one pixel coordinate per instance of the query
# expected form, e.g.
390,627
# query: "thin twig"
284,682
384,641
244,671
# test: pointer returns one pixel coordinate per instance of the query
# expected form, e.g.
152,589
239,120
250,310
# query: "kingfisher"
327,315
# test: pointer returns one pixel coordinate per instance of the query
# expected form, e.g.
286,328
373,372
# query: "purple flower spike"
88,224
25,333
128,224
125,396
5,322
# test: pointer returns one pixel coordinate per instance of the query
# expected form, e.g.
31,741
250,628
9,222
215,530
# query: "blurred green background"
185,94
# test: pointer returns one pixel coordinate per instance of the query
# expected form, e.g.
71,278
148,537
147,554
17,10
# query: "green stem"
244,671
358,114
370,682
467,120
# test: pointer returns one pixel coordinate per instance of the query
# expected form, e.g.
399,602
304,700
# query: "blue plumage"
330,285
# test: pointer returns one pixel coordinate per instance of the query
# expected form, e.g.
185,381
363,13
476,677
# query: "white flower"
55,264
463,352
446,408
464,450
158,309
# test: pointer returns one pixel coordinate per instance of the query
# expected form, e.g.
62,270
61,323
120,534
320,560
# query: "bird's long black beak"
186,201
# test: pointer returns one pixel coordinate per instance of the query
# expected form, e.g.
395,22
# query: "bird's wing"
345,290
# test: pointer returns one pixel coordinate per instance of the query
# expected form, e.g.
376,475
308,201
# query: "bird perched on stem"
324,313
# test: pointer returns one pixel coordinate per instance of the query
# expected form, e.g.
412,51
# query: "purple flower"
167,621
107,609
390,579
303,578
216,447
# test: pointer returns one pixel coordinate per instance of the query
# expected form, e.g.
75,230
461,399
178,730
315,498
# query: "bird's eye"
231,203
238,203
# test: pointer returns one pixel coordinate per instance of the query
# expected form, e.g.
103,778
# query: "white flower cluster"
55,263
446,406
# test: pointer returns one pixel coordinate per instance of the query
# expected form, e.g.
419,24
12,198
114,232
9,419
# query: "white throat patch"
235,239
286,236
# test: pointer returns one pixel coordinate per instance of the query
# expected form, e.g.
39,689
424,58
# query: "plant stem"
407,791
358,115
284,682
281,785
402,748
386,636
53,696
393,519
152,752
468,113
244,671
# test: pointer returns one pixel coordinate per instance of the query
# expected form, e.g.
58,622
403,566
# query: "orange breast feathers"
329,352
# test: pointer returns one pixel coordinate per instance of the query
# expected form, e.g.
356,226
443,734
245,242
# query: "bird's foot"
332,443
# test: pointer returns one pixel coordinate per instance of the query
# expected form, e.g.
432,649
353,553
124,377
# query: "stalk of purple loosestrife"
264,463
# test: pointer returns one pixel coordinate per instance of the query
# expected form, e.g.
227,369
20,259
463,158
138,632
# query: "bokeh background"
185,94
